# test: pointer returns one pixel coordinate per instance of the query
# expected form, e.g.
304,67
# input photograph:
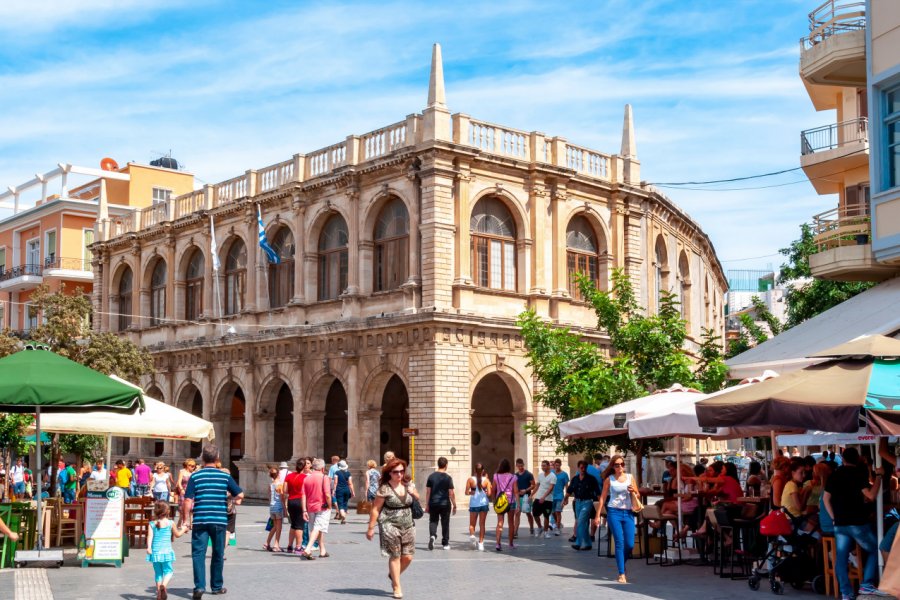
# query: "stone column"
299,214
353,272
355,443
558,265
537,196
463,220
171,271
252,291
313,421
438,231
299,439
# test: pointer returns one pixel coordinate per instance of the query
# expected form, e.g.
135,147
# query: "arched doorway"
394,417
493,427
196,410
236,431
283,442
335,442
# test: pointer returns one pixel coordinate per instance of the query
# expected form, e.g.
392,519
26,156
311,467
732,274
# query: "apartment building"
849,64
47,238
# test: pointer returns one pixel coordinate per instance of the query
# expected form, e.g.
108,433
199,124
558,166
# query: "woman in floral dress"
392,510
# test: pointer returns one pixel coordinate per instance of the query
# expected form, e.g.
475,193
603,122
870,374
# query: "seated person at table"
822,472
782,474
754,481
795,496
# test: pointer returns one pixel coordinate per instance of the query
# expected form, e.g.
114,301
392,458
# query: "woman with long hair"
781,466
188,468
478,486
618,488
505,483
392,510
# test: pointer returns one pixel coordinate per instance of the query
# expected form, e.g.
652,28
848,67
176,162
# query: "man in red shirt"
293,489
317,507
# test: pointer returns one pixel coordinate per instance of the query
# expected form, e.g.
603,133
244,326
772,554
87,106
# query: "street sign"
409,432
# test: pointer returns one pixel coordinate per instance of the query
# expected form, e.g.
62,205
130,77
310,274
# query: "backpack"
501,504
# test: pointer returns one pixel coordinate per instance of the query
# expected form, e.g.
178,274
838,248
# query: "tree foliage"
65,329
577,378
752,334
807,298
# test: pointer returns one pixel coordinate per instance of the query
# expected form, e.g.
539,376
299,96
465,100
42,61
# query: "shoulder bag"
416,507
636,504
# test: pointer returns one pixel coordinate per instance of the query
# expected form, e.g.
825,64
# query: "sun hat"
342,465
283,465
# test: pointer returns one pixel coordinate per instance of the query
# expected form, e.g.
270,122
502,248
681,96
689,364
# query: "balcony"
23,277
70,269
844,247
834,52
833,149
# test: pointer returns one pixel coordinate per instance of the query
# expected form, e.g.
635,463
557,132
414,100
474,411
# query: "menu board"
104,523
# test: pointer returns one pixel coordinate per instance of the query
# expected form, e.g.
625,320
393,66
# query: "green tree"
577,378
65,329
807,298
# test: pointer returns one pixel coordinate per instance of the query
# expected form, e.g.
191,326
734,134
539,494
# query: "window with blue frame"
892,136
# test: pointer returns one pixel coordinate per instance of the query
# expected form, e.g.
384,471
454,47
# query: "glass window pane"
496,263
893,101
894,166
509,266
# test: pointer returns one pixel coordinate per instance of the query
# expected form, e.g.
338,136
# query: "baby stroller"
790,556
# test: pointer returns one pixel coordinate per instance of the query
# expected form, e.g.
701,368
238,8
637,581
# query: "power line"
750,258
672,184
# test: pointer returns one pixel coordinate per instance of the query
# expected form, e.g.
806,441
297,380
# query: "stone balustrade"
488,138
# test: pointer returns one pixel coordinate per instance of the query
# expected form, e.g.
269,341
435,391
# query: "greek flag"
213,249
264,241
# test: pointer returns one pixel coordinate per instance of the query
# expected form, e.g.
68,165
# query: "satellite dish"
108,164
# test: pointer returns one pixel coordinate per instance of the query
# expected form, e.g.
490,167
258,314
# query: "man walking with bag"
439,498
206,508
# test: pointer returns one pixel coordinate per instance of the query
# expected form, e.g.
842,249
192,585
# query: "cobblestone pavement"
544,568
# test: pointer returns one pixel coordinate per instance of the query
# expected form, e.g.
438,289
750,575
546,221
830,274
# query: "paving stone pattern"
542,568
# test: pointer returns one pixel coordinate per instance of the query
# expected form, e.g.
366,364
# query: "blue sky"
228,86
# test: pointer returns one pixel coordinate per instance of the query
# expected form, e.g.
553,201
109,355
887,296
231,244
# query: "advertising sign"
104,524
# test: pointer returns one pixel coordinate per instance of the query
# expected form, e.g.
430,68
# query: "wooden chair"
7,546
137,519
829,549
71,523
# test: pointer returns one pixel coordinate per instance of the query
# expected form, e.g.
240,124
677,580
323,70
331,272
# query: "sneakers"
480,546
556,532
431,543
548,535
512,546
447,547
532,530
867,589
473,540
498,548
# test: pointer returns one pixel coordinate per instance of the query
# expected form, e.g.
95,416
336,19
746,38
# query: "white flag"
213,249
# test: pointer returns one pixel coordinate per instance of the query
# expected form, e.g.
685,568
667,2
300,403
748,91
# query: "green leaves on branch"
576,378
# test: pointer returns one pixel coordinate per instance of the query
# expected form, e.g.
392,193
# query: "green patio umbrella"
45,439
36,380
40,378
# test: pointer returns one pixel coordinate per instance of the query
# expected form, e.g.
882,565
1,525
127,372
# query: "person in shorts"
559,496
293,492
543,498
478,487
317,507
276,512
525,485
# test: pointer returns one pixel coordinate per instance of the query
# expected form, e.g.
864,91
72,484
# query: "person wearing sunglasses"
392,511
618,488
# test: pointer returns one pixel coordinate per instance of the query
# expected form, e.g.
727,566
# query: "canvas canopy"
158,421
614,420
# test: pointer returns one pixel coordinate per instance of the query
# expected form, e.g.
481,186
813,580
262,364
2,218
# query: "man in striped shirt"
206,510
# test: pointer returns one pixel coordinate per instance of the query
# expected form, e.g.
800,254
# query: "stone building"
405,256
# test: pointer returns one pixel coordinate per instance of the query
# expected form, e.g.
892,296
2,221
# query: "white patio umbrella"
679,419
614,420
158,421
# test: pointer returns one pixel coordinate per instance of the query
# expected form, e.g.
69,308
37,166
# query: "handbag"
636,504
416,508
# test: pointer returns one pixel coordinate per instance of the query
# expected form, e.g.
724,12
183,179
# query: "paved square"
545,568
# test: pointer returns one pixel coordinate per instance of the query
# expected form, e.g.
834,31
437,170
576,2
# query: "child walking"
159,546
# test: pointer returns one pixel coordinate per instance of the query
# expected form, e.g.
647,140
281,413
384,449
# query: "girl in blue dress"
159,546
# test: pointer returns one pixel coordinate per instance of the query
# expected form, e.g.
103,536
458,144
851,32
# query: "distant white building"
743,285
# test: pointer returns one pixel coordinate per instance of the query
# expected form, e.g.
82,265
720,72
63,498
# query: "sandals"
326,555
267,548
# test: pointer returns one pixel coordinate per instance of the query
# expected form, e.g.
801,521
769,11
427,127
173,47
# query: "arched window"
493,245
281,275
126,287
582,255
391,246
193,287
235,277
158,293
333,258
661,269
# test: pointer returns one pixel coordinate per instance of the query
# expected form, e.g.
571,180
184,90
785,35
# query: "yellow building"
850,63
49,241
